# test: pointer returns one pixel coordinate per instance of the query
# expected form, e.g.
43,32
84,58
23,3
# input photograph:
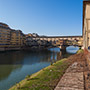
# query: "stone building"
17,38
10,38
4,35
86,24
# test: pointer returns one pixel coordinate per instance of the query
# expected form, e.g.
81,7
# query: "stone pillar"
63,47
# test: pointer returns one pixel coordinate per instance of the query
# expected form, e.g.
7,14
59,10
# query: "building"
29,35
35,35
32,39
10,38
17,38
29,40
4,35
86,24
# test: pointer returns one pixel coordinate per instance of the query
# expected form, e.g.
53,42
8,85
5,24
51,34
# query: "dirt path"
77,76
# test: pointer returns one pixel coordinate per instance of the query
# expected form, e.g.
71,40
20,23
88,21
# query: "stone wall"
8,49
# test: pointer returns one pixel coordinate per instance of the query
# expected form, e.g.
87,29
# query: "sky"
45,17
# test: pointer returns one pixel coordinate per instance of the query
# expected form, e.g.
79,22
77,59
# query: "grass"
45,79
79,51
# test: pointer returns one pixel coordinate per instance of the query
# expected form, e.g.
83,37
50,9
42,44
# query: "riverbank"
77,76
46,78
74,77
34,48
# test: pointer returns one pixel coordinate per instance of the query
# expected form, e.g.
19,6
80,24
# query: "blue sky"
45,17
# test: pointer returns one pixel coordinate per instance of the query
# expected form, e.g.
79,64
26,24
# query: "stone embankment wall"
23,48
87,70
8,49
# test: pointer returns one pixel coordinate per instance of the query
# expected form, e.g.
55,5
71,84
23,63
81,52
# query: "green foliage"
28,77
51,63
79,51
18,86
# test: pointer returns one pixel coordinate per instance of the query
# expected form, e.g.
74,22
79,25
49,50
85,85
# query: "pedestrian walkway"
73,79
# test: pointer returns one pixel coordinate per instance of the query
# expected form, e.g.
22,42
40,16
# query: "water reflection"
72,49
15,66
24,57
5,70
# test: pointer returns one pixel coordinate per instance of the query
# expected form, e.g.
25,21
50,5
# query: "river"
16,65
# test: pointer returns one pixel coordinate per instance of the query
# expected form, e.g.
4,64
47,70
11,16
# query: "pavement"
77,76
73,78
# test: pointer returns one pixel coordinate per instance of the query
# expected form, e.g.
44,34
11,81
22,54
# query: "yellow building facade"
17,38
4,35
10,38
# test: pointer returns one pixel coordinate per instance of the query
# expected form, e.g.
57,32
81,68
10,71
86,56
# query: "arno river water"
16,65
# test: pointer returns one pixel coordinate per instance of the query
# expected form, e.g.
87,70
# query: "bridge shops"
60,41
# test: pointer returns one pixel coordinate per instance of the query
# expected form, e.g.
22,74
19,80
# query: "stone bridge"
62,40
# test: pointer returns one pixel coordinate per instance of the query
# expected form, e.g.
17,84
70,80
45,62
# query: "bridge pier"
81,47
62,47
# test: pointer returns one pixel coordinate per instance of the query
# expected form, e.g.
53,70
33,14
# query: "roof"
3,24
59,36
